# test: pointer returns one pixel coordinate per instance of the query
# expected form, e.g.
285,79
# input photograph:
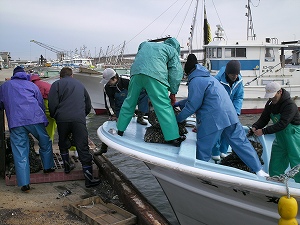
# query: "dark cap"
18,69
190,63
233,67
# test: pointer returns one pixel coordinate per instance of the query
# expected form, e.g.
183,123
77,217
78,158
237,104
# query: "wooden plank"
94,211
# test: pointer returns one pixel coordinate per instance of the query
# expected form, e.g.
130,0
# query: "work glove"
173,99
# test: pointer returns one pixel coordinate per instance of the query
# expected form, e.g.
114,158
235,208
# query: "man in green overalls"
283,111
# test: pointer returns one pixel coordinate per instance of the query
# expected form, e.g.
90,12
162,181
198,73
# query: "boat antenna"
192,29
250,29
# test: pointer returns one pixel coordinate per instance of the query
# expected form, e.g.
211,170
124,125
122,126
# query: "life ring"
207,64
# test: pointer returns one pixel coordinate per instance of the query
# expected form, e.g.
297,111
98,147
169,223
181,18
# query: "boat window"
214,53
235,52
208,53
240,52
269,55
219,52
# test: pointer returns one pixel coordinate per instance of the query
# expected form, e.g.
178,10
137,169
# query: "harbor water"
137,172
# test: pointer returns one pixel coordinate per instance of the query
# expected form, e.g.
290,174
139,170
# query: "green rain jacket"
159,61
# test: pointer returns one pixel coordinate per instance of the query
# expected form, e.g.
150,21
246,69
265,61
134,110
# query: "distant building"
1,63
5,57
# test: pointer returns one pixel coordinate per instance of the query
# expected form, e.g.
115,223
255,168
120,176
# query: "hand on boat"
173,99
113,118
258,132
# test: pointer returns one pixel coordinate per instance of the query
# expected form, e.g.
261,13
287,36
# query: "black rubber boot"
90,181
25,188
120,133
67,165
140,118
177,142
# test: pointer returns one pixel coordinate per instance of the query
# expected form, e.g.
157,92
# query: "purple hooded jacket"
22,101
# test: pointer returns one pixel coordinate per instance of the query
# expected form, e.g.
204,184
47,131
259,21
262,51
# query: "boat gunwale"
252,181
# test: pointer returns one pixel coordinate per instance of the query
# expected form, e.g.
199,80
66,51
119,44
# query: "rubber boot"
140,118
90,181
67,165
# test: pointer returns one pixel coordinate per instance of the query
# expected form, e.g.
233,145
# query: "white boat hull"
203,192
213,202
92,84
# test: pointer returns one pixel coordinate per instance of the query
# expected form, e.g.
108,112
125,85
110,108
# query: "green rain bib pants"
285,149
159,97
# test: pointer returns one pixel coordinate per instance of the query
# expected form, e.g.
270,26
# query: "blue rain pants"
20,148
236,137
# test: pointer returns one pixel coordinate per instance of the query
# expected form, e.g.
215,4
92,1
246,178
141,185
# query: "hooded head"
18,69
233,67
34,77
271,89
107,75
174,43
190,63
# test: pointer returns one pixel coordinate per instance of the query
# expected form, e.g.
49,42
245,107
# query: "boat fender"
288,210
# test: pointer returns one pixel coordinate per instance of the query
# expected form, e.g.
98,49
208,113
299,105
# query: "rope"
173,20
283,178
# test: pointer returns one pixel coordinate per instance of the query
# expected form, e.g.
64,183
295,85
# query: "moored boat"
262,61
204,192
91,82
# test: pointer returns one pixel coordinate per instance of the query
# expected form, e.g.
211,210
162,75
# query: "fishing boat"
205,192
261,62
77,61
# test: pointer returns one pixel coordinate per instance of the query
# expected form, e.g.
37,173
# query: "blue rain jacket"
22,101
210,101
159,61
236,92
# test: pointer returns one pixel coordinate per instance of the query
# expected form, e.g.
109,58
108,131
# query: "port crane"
60,54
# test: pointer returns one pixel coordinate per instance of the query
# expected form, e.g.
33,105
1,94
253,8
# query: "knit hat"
107,75
233,67
271,89
18,69
190,63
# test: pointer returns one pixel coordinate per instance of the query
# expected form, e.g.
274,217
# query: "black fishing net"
154,133
34,159
233,160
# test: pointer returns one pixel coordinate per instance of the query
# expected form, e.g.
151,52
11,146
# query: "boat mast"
192,29
250,28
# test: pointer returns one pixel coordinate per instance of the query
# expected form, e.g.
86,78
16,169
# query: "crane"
60,54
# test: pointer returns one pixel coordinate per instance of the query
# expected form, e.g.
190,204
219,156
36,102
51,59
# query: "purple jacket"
22,101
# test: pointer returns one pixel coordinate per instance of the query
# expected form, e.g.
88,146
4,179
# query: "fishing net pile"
154,133
34,159
233,160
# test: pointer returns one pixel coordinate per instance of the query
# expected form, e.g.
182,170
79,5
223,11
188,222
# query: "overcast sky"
72,24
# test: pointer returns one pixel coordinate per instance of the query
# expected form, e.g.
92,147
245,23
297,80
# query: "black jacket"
69,101
110,92
287,109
